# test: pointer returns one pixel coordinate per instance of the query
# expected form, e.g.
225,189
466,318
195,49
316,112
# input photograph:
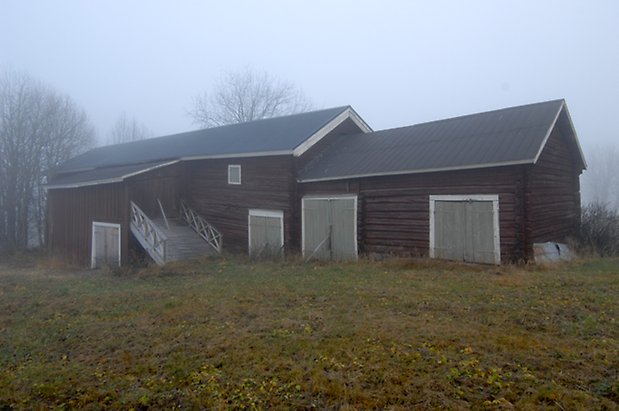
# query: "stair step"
183,242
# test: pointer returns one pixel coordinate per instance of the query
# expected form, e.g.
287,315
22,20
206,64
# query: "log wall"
553,192
393,211
266,183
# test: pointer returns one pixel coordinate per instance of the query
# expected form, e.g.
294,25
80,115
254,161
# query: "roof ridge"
494,111
470,115
506,136
341,109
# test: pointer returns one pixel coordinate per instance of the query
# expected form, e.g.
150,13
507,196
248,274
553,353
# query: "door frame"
329,197
264,213
93,240
469,197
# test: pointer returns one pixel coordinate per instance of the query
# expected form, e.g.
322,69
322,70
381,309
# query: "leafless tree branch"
127,129
39,129
247,95
600,183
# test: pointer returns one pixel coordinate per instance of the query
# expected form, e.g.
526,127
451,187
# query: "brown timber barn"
481,188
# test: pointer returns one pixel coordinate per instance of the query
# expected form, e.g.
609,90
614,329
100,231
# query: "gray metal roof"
103,175
513,135
274,135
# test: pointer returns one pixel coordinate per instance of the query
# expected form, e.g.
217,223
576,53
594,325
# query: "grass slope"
228,334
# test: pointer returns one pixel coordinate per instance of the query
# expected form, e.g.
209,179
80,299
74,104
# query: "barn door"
330,228
266,233
449,230
465,228
105,244
480,232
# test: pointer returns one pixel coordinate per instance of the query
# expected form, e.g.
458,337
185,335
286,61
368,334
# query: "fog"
396,62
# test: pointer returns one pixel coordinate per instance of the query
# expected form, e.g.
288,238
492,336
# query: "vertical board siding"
267,183
553,192
71,213
393,211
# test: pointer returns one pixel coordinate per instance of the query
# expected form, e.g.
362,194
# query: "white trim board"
548,133
264,213
239,155
233,166
573,136
421,171
111,180
469,197
92,240
349,113
329,197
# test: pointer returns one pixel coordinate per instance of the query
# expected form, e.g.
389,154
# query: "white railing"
165,218
149,236
201,226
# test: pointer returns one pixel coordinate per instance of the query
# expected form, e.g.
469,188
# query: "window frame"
230,168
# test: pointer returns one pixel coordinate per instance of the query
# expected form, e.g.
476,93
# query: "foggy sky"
396,62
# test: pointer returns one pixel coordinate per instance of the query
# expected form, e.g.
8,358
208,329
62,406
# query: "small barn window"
234,174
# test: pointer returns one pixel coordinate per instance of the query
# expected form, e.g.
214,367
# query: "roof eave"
348,113
574,135
109,180
84,183
420,171
239,155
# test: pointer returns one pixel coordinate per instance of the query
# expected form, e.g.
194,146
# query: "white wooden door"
330,228
449,229
266,233
480,232
105,244
465,228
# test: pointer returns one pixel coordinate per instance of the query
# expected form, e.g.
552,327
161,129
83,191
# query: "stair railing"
165,219
209,233
148,234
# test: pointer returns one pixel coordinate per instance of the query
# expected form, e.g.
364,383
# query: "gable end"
349,113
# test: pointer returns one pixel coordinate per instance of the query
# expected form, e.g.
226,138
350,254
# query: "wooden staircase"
170,239
182,242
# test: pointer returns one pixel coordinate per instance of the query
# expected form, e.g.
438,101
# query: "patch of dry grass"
236,334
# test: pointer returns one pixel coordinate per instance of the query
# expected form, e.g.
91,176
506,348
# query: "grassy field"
232,334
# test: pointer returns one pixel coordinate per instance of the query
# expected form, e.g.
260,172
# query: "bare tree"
127,129
601,180
39,128
246,95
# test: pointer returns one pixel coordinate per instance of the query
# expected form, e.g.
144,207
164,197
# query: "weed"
227,333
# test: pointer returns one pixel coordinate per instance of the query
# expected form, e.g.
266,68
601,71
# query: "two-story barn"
483,187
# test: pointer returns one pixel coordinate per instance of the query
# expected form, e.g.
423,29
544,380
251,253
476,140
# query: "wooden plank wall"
393,211
266,183
71,213
553,192
167,184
